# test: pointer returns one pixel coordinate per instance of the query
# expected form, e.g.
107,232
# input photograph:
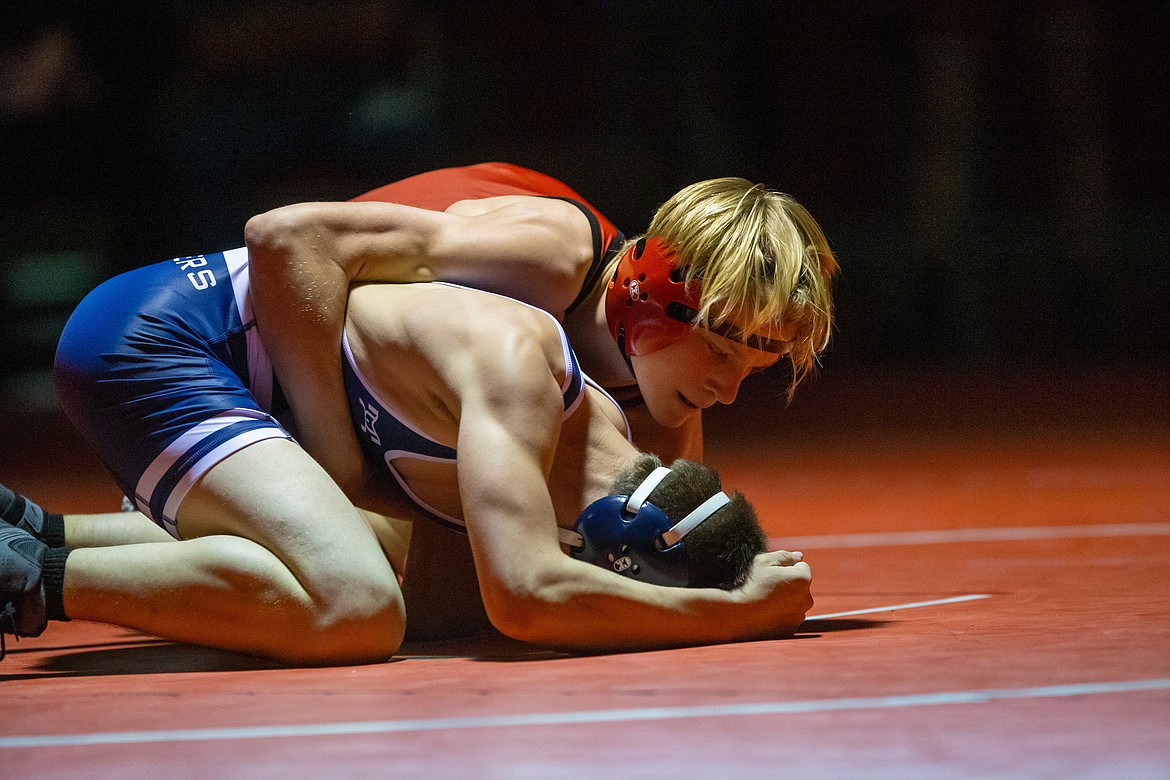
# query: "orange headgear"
648,306
638,301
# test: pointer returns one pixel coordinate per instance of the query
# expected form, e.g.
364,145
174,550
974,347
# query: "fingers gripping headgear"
638,302
633,537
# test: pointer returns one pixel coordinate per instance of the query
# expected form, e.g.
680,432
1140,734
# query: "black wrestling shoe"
18,511
22,592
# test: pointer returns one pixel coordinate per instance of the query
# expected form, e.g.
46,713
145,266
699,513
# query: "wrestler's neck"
598,353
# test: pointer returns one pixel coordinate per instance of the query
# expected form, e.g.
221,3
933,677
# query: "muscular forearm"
588,608
299,294
303,259
536,593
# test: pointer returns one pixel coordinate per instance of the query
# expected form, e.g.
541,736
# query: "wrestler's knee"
363,624
352,614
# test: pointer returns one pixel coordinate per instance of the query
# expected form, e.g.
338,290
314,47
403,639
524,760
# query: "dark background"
990,174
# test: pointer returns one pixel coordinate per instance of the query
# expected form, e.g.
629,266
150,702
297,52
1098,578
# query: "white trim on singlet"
260,374
204,464
176,450
625,421
391,454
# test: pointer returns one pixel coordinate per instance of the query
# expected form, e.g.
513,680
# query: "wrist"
724,614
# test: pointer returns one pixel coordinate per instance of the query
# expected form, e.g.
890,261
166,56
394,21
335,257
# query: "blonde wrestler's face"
698,371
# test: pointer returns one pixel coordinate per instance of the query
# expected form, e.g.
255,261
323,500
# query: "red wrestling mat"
990,577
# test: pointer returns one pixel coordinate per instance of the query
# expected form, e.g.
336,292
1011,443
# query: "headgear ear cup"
638,297
649,306
627,543
633,537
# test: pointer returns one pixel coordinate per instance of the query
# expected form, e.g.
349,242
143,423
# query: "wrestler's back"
411,343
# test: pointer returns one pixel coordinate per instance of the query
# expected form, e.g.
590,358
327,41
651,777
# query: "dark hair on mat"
721,549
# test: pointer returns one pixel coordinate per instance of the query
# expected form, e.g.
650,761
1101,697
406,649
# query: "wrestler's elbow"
274,235
526,609
263,231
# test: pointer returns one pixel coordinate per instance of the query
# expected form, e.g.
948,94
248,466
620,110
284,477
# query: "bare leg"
89,530
117,528
276,562
112,529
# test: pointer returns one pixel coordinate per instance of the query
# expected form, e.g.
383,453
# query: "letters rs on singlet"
201,279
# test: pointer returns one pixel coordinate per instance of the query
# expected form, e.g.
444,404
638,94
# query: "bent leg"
88,530
274,561
112,529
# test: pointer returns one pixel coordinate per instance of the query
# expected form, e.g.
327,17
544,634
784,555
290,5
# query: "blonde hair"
761,258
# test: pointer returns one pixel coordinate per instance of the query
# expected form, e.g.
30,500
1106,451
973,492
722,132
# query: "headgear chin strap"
631,536
648,307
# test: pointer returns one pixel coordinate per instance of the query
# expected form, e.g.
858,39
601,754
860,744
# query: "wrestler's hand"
777,589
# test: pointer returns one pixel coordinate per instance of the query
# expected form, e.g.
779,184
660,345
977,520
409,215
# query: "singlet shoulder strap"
601,254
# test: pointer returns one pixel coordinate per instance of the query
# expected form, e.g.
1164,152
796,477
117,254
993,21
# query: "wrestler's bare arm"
304,257
510,421
535,249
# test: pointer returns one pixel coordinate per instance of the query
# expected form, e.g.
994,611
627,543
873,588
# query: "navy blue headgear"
631,536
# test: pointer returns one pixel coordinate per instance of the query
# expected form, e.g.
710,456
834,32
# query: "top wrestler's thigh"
273,493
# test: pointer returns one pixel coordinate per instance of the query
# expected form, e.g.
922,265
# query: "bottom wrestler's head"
671,527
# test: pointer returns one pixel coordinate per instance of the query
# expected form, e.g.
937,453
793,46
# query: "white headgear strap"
688,523
643,491
691,521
